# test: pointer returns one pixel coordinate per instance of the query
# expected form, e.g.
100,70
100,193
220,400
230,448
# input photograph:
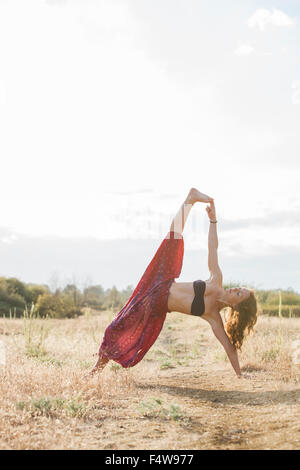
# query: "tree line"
70,301
66,302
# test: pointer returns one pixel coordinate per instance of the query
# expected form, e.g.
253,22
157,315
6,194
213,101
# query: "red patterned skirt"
136,327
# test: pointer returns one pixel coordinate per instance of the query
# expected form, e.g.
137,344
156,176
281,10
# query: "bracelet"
213,221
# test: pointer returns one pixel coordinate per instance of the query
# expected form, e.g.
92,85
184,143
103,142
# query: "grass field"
182,395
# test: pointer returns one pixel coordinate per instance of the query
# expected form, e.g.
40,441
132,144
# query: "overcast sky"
111,110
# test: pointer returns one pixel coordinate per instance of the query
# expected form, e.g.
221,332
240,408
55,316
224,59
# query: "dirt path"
183,395
214,411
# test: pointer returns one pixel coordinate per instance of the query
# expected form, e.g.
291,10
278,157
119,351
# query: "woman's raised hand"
196,196
211,211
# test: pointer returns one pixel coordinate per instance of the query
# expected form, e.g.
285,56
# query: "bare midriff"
181,296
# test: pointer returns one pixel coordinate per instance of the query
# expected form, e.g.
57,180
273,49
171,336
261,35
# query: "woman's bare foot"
195,196
98,367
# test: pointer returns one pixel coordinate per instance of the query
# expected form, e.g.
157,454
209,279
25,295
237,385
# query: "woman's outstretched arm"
181,216
213,263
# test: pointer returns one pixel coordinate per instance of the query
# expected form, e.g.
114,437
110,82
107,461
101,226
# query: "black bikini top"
198,306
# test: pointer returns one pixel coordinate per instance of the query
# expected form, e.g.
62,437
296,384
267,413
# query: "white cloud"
264,17
244,49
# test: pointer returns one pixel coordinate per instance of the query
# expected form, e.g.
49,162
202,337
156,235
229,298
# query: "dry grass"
183,395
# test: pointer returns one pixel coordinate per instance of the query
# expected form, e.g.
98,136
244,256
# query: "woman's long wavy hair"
241,320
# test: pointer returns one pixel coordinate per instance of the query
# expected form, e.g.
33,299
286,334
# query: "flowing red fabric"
138,324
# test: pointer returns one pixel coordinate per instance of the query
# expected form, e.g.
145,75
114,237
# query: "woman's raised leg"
181,216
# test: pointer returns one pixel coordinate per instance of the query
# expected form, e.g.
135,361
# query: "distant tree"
14,286
11,301
56,306
74,293
126,294
93,296
54,281
262,296
34,291
112,299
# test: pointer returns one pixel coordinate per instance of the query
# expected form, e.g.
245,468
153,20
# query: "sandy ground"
183,395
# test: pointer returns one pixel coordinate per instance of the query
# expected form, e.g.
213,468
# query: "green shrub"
56,306
288,311
51,407
15,295
271,297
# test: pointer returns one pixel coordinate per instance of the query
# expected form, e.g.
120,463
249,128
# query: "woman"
131,334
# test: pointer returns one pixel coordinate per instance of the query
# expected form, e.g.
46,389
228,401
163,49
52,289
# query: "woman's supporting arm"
220,334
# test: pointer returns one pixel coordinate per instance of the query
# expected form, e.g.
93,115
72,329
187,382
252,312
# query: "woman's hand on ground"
245,376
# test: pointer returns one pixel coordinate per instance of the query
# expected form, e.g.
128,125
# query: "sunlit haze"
111,110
